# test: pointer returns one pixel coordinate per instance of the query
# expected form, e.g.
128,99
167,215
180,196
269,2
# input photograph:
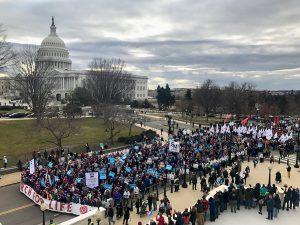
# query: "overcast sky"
172,41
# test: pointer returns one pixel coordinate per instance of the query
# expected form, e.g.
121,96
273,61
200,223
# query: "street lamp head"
43,207
270,167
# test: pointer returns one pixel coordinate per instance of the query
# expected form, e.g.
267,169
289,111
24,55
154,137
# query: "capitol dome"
53,51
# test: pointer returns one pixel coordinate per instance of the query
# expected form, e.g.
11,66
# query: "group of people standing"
233,198
127,177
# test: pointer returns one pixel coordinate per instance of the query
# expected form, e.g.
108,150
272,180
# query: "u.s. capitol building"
54,53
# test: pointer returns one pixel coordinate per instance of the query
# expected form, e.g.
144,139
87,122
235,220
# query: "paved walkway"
164,134
11,178
187,197
178,121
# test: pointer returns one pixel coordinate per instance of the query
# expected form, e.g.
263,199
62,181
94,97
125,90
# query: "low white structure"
82,219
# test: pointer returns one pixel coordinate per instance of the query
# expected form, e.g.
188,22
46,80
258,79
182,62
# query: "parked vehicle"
30,115
6,114
17,115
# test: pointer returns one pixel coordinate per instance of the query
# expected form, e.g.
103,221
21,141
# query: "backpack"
186,220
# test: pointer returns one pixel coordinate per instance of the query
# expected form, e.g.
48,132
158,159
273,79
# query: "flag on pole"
245,121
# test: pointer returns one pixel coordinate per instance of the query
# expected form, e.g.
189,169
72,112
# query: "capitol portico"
54,53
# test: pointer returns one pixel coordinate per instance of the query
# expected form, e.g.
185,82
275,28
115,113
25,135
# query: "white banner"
31,166
91,179
174,146
71,208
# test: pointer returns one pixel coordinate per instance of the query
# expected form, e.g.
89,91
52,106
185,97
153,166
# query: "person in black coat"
194,181
270,207
287,199
138,205
212,209
278,177
233,201
203,184
295,198
225,199
150,200
277,205
126,215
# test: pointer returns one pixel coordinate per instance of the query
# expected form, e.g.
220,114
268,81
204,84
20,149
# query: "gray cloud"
174,41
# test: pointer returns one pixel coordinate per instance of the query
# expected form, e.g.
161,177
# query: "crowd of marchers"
127,177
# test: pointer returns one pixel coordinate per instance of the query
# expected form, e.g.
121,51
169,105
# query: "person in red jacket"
204,203
160,219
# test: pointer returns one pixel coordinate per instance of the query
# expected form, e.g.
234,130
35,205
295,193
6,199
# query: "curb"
10,184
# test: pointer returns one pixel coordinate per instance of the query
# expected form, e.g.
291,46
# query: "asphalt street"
17,209
159,123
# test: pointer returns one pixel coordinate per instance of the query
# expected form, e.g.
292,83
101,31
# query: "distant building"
6,86
54,53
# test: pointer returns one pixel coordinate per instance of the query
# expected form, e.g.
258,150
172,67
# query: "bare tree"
130,119
60,128
35,82
207,97
113,120
6,53
239,98
108,82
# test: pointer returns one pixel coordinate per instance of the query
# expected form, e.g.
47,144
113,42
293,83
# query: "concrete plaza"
185,198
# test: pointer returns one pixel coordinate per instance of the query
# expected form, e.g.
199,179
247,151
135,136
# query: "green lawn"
19,138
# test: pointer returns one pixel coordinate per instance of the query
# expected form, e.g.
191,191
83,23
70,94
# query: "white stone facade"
53,52
141,87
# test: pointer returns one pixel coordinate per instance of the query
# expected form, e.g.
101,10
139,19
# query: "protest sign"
112,160
111,174
168,167
91,179
174,146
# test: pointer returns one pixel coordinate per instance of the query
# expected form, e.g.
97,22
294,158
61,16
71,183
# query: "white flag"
31,166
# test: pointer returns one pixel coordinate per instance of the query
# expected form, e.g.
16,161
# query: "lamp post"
43,208
257,110
169,116
231,140
186,111
184,184
270,170
298,146
98,216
